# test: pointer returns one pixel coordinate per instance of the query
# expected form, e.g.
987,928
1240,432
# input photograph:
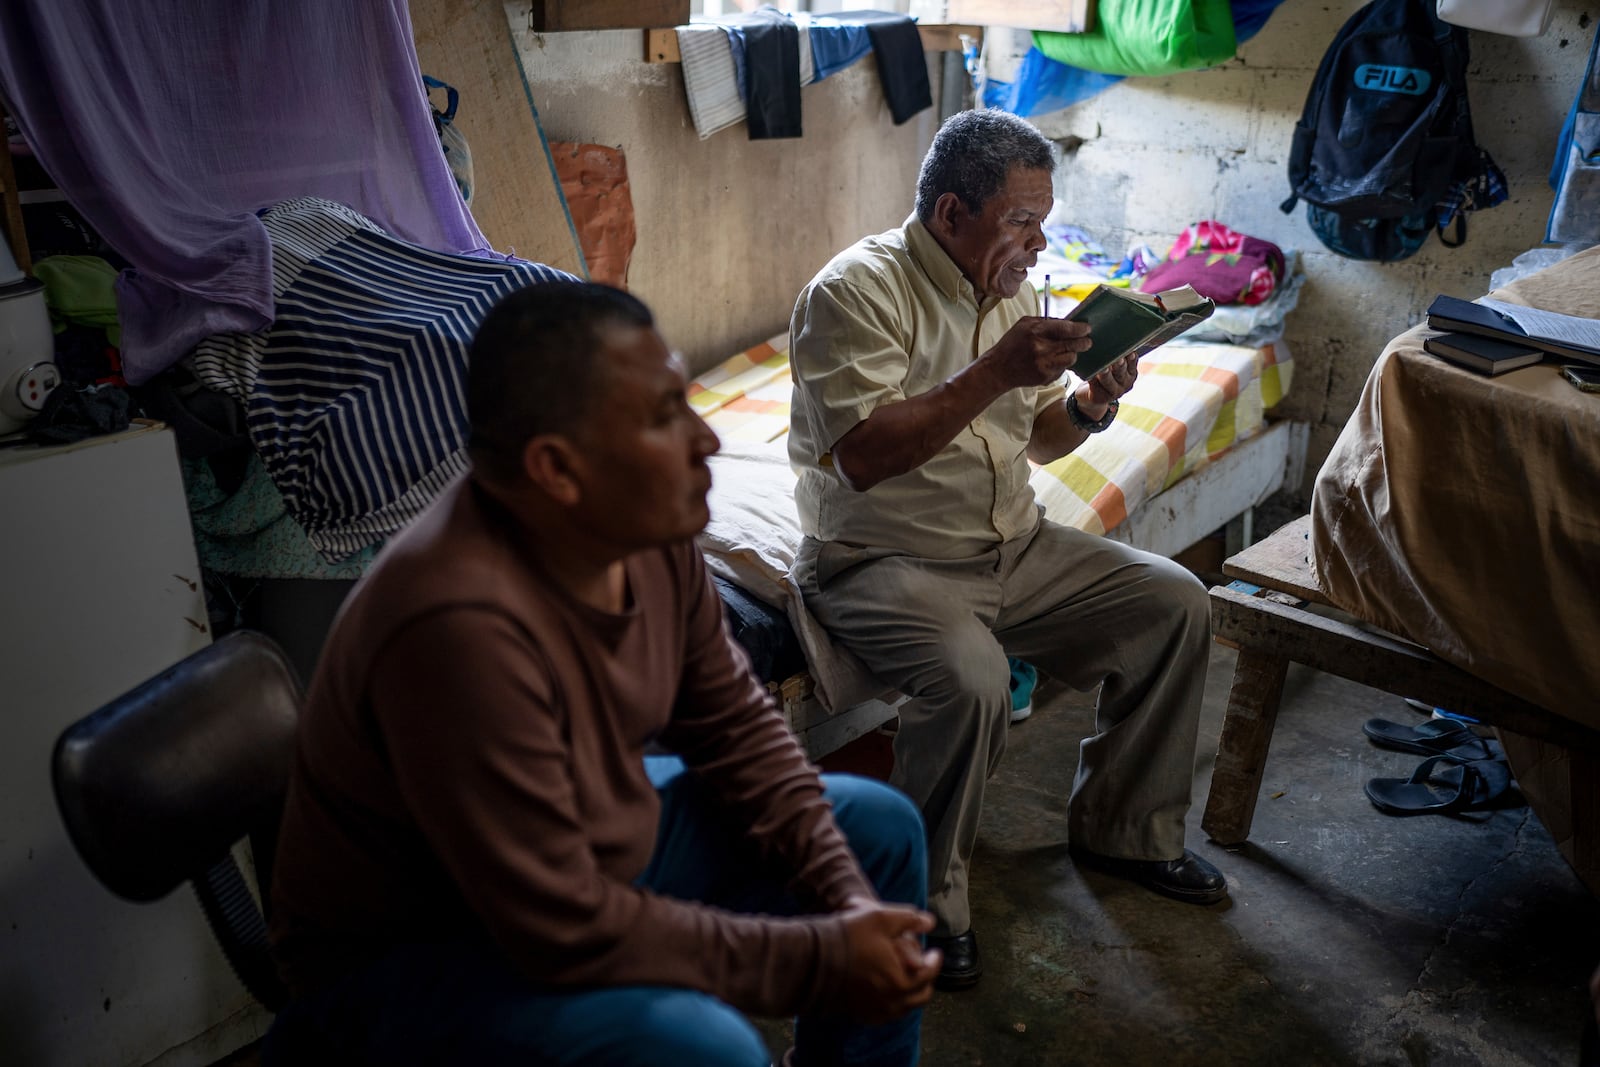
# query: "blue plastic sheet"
1042,85
1250,15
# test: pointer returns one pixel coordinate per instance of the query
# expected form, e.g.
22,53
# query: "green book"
1123,321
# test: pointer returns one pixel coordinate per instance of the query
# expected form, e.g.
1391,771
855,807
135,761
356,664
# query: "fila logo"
1412,81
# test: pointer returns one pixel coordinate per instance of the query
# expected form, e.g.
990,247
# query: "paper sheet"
1548,325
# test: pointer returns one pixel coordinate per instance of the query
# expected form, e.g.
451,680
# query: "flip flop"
1436,737
1480,784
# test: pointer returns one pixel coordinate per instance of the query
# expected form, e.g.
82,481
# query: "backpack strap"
1460,225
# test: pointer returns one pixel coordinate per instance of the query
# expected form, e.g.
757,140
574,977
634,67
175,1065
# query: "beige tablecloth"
1463,512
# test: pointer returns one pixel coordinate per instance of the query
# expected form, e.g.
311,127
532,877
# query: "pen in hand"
1047,296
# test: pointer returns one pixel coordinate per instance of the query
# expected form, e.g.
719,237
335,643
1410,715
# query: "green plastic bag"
1147,37
80,290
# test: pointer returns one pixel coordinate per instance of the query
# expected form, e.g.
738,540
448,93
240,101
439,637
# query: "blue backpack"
1383,153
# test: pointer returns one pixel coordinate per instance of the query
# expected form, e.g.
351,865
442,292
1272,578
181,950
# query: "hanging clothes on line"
749,66
902,62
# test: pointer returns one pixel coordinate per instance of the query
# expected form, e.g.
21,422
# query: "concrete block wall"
1160,153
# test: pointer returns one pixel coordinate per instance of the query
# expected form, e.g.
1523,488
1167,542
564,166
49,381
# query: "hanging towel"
766,57
1043,84
710,79
902,63
835,44
808,69
715,78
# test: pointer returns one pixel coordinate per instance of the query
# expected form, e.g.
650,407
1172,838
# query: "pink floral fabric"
1228,266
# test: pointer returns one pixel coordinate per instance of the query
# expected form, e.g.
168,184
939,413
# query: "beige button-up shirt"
890,318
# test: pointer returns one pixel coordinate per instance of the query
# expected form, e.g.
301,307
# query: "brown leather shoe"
1187,878
962,966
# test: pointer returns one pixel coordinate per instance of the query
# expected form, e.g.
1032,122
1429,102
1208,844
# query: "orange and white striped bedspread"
1193,401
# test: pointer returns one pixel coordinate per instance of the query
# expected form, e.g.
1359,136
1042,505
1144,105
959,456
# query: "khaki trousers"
1087,611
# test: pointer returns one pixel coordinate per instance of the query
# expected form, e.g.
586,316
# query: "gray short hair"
971,155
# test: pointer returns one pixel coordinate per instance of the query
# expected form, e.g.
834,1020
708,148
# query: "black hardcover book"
1465,317
1486,355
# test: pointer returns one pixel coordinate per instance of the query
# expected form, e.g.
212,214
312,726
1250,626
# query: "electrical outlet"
22,394
35,384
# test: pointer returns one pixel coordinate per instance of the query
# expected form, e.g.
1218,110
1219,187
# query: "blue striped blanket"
355,395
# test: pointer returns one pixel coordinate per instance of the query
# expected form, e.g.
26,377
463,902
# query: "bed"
1192,449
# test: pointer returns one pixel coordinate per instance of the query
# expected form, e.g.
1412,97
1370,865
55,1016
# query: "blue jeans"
461,1001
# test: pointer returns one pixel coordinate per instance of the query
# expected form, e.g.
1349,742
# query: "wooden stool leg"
1584,790
1242,749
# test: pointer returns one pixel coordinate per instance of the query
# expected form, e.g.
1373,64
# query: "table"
1264,613
1462,513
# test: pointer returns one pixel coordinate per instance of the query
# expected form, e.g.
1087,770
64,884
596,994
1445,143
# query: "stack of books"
1492,337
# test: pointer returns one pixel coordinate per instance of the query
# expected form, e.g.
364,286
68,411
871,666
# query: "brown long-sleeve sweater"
471,758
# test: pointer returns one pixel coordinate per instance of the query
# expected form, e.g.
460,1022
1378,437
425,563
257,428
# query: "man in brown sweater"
478,863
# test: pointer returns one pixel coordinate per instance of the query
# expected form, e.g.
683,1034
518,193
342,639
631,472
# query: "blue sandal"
1477,786
1436,737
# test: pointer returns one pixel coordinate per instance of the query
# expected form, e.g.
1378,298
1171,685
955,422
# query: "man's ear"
948,214
553,464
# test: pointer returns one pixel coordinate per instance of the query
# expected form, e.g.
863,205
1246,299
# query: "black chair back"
157,786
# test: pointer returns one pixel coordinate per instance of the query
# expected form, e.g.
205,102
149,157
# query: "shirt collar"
936,262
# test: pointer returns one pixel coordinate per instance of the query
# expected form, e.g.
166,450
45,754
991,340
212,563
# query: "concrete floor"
1351,937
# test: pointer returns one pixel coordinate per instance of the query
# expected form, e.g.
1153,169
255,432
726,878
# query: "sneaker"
1439,713
1024,677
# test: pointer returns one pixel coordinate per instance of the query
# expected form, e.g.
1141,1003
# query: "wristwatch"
1085,424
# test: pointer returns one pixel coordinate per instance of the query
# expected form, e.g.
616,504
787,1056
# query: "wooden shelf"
661,45
555,16
1060,16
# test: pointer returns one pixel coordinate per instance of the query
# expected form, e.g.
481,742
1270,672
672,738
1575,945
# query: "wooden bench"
1266,614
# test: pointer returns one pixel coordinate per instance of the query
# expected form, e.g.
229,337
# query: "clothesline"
751,67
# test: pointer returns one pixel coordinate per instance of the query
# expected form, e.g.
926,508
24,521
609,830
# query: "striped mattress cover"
354,395
1193,402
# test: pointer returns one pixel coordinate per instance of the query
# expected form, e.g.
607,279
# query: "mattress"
1193,402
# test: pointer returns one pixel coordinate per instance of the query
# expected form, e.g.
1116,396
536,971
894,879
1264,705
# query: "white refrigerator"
99,590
